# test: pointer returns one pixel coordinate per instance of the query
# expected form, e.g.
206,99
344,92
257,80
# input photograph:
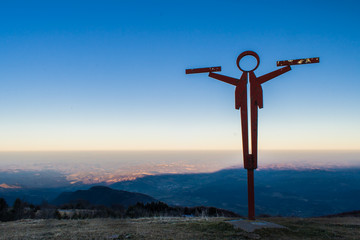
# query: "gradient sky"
110,75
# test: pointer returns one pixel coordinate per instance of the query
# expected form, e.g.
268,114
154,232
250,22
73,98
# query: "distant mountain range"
100,195
287,192
302,193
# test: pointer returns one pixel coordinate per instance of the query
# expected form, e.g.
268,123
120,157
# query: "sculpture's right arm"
223,78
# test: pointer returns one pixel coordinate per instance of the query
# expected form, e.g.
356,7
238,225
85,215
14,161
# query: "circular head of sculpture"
248,53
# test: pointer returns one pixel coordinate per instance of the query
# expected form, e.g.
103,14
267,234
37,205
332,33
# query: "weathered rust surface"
203,70
230,80
297,61
268,76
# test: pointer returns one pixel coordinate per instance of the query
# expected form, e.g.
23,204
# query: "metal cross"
256,101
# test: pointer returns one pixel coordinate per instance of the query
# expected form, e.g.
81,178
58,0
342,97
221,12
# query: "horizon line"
170,150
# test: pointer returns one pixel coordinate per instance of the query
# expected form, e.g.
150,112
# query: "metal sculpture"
256,101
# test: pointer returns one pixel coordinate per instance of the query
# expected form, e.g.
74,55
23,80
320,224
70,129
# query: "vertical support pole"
254,135
244,128
255,101
254,98
251,197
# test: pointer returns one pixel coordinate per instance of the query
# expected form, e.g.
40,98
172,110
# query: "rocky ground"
179,228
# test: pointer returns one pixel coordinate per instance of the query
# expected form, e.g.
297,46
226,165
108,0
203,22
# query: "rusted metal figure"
256,101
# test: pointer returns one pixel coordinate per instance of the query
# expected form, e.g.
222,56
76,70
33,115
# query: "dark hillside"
302,193
101,195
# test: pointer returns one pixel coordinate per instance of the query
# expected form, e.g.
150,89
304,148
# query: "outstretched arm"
269,76
223,78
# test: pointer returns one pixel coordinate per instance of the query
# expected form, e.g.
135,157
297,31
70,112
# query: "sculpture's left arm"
269,76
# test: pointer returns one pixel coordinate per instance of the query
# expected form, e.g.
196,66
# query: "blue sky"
110,75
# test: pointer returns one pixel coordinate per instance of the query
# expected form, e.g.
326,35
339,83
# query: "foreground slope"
178,228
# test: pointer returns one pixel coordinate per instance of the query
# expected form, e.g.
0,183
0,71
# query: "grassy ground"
178,228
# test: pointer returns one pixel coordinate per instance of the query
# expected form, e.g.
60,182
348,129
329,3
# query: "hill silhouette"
302,193
100,195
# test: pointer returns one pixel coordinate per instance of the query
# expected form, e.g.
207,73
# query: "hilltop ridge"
102,195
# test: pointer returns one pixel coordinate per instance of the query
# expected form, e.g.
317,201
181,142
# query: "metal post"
251,194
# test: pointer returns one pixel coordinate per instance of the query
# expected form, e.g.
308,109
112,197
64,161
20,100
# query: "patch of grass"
205,226
178,228
308,229
215,230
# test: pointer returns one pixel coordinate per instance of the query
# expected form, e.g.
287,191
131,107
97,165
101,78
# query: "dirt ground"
178,228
